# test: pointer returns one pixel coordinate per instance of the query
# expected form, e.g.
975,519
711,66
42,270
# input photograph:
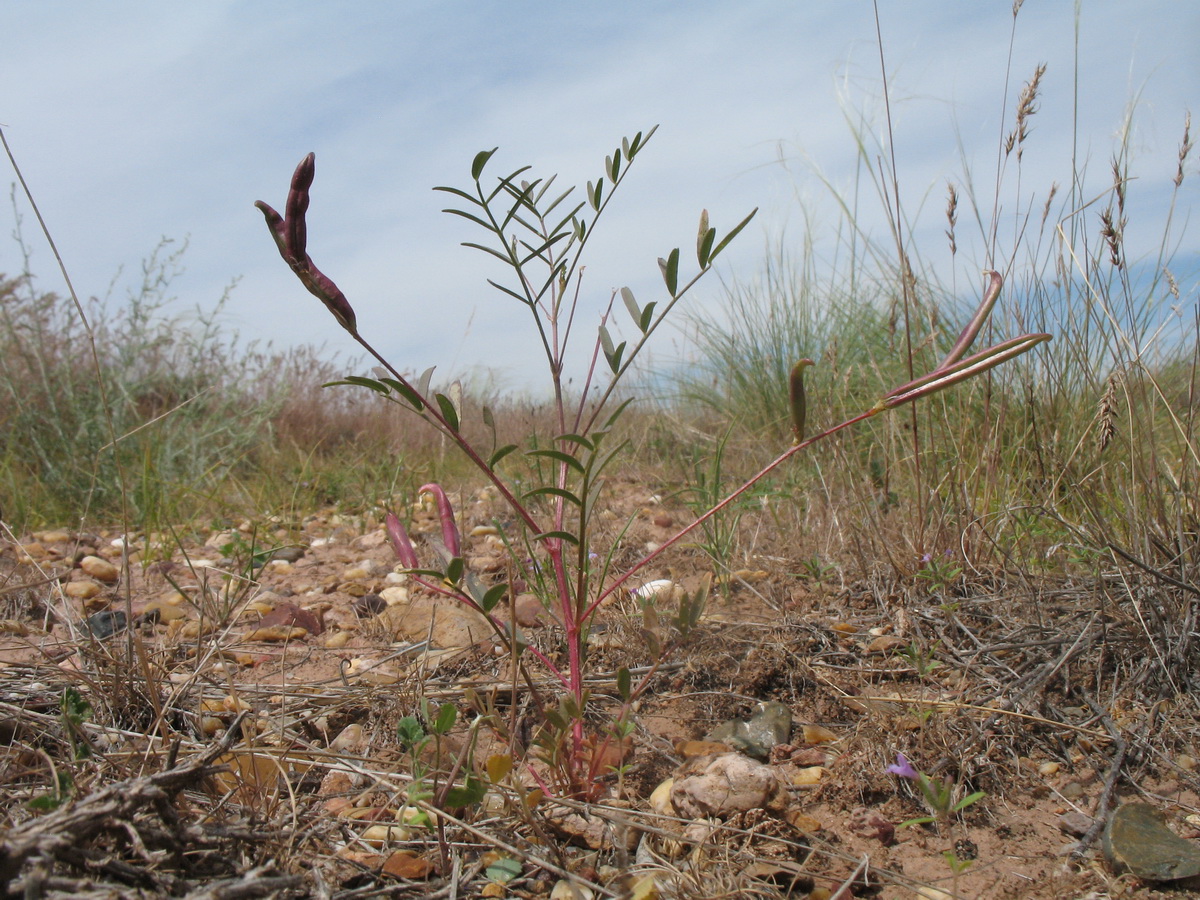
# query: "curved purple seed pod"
967,338
276,224
322,287
446,514
297,206
291,237
961,370
796,398
400,542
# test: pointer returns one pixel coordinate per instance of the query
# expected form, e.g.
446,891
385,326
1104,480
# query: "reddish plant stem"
765,471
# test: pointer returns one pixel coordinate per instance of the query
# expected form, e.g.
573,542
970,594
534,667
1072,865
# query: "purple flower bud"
400,542
903,768
446,514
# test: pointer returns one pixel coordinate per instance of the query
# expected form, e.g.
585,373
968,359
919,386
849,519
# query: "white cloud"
134,120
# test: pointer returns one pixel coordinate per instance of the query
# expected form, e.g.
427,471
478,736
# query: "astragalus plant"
540,234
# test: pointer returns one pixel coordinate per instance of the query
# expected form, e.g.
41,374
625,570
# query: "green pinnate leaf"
670,271
493,596
595,193
606,342
481,160
729,237
449,412
406,391
558,535
635,311
560,456
495,458
359,381
551,491
647,317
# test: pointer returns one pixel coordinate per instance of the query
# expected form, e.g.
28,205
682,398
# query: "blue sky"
138,120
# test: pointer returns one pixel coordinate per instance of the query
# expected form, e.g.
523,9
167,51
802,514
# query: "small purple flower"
904,768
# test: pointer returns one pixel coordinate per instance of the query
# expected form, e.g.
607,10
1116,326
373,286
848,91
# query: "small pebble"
100,569
369,605
106,623
395,595
81,590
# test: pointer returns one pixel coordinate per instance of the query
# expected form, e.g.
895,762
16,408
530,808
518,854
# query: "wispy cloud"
135,120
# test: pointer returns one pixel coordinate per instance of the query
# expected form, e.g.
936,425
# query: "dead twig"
57,835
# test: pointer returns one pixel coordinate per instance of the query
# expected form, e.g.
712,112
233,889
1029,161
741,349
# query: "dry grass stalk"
1185,148
1110,230
952,217
1026,108
1049,200
1108,409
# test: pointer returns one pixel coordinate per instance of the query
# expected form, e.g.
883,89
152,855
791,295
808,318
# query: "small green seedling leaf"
481,160
624,684
503,870
74,707
410,732
967,801
467,794
445,718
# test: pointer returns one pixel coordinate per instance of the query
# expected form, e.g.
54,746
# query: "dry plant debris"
198,753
